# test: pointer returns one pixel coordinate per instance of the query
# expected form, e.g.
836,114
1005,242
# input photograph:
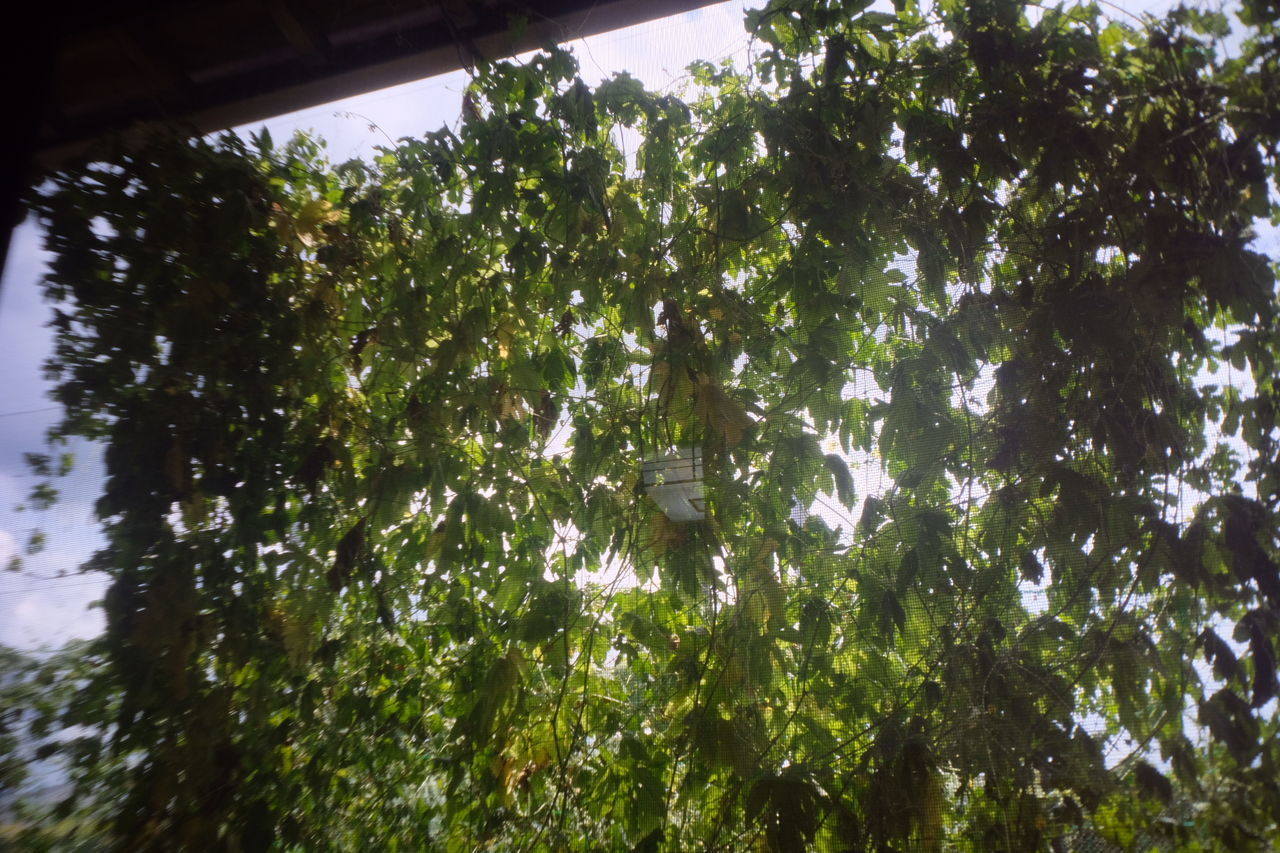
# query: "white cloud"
40,610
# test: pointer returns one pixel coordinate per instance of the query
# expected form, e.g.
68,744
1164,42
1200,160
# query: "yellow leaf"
931,808
506,336
760,590
509,406
721,413
663,535
311,218
297,643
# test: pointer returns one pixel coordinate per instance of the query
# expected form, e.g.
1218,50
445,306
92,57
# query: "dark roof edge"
494,42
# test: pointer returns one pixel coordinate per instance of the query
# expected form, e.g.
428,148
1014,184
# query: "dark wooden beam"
297,26
152,59
27,62
421,42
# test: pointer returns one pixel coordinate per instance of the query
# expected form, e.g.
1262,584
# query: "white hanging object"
674,481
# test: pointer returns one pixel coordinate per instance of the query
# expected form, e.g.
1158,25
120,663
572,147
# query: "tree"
35,691
383,568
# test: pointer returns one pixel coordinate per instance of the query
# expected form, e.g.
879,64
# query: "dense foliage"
384,572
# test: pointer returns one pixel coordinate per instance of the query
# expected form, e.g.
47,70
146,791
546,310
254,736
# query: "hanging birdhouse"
674,481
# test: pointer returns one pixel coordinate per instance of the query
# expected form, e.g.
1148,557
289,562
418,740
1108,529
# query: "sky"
49,603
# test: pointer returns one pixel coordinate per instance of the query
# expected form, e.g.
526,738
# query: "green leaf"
843,479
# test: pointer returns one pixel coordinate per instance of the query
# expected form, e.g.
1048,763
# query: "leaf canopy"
383,566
